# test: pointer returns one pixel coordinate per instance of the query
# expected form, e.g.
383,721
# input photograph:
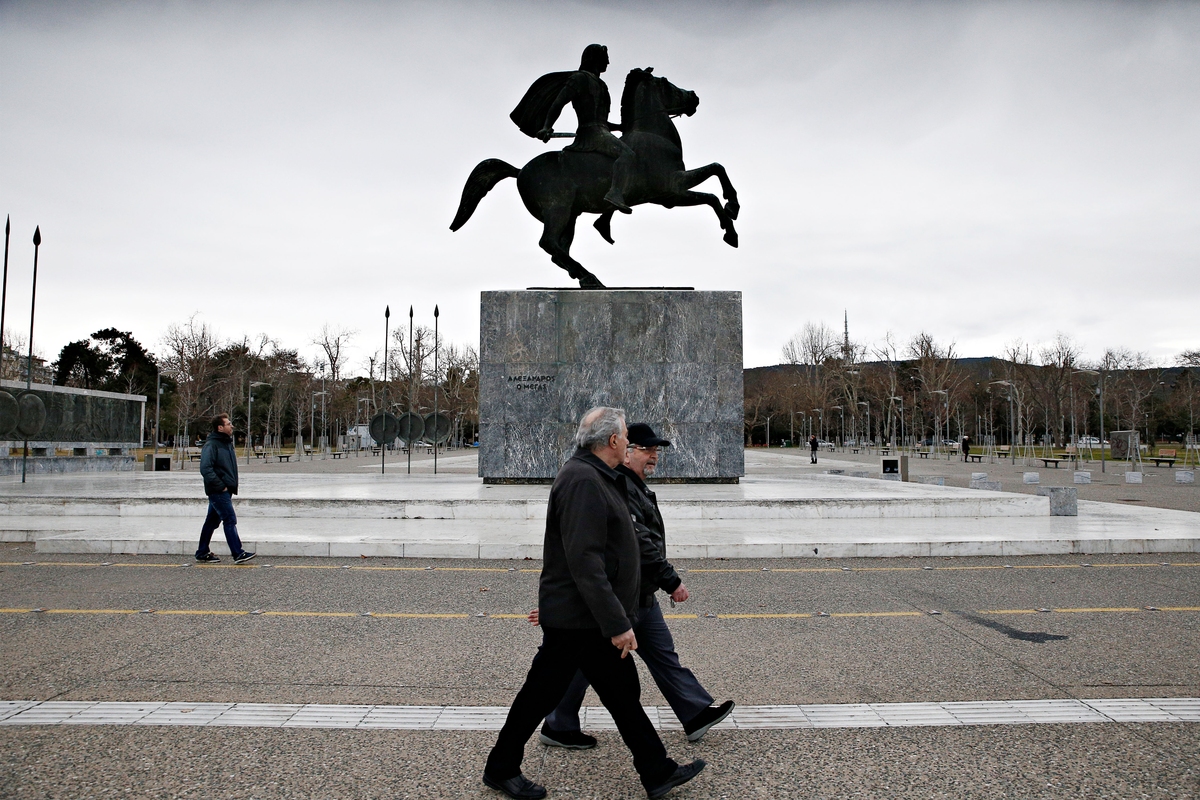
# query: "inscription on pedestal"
672,358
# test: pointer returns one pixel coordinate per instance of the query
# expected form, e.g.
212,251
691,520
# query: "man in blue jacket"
218,467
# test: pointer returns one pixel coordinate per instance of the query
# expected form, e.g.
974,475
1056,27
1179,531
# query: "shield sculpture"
23,416
437,428
10,414
412,427
384,428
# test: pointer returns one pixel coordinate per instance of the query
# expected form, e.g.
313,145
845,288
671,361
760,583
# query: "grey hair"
597,425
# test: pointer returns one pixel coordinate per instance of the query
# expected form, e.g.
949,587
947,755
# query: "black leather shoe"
520,787
697,726
682,774
571,740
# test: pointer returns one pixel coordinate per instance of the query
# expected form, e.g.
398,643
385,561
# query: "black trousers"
615,680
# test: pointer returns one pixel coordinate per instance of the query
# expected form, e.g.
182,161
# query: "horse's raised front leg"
690,178
710,200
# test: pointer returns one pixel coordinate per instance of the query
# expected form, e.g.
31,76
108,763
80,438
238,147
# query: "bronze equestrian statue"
599,173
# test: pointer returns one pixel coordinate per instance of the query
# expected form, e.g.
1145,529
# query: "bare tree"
333,341
813,345
188,358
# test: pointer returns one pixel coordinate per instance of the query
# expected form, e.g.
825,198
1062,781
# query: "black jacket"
591,571
657,572
218,464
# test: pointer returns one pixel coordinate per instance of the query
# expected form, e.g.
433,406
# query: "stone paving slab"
595,718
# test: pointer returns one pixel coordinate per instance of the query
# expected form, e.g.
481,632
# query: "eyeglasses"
651,449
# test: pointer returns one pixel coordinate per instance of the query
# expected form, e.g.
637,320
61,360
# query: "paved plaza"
382,677
357,675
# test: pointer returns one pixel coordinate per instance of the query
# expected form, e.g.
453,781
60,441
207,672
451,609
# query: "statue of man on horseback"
599,173
588,95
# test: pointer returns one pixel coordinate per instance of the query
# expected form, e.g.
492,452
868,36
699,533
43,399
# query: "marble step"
1100,528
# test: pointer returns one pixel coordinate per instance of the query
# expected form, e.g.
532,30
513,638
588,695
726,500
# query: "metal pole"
1102,464
157,405
4,294
387,315
249,409
435,390
37,243
411,364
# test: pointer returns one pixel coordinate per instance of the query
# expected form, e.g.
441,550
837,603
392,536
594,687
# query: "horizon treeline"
202,374
922,391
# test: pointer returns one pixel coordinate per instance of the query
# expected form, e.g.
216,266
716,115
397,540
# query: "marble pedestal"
669,357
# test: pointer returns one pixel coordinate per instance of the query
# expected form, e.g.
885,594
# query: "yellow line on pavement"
1096,610
460,615
90,611
1011,611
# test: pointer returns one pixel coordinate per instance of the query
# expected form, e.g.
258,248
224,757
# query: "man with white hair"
588,601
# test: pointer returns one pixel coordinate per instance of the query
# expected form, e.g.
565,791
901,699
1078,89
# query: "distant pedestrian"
588,602
218,466
966,448
813,445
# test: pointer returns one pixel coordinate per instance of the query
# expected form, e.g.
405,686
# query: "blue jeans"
657,649
220,511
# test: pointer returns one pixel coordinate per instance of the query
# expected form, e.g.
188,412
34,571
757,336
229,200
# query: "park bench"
923,453
193,453
1055,461
885,451
854,449
338,453
1003,451
260,453
976,457
284,457
1164,456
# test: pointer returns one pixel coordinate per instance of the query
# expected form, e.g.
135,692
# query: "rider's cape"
530,113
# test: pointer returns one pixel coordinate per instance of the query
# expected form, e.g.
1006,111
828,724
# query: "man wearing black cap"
688,699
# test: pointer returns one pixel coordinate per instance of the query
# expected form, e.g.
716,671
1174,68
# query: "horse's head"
647,96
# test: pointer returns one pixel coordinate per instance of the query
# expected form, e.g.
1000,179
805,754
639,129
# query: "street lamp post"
820,422
1012,450
249,408
1100,392
868,407
157,403
946,405
312,412
901,401
842,430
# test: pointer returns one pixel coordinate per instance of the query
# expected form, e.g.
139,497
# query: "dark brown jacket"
591,573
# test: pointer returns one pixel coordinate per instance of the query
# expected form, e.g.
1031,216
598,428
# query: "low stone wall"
46,465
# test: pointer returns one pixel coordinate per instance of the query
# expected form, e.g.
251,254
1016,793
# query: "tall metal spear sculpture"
37,243
411,363
4,294
387,317
435,388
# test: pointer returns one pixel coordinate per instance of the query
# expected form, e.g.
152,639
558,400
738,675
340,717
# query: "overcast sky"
982,171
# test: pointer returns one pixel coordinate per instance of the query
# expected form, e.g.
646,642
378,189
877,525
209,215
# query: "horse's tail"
485,175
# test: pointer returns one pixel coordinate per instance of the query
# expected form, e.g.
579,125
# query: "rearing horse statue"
557,187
